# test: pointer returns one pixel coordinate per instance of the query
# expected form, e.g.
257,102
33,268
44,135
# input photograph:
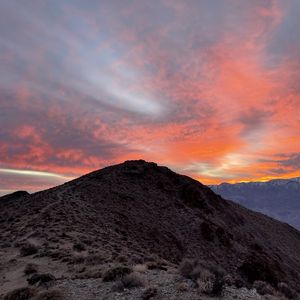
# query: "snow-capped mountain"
278,198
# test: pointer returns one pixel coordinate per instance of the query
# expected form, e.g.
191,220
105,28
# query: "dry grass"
182,287
140,268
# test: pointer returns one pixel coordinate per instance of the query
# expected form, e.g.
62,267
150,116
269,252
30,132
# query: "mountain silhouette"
139,210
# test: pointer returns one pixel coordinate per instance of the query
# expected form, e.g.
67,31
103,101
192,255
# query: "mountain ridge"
279,198
139,209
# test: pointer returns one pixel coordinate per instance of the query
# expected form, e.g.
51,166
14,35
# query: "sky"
210,88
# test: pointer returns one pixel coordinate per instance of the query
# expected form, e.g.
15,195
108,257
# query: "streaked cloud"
14,179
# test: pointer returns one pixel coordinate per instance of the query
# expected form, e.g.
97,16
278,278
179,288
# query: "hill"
108,222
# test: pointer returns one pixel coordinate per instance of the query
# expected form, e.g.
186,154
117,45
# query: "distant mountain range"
278,198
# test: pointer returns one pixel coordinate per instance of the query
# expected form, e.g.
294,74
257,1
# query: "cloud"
252,120
292,161
14,179
207,87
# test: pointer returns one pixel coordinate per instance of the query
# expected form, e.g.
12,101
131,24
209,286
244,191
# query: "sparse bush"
30,269
207,231
191,196
121,259
186,267
156,265
152,257
195,274
89,274
40,279
77,259
136,259
129,281
149,293
277,296
206,281
116,273
219,282
87,242
286,290
133,280
28,249
117,287
228,279
209,281
260,268
79,247
238,282
79,268
263,288
20,294
94,259
50,295
6,245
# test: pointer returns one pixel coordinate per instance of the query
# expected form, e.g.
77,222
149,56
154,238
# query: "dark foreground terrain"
140,231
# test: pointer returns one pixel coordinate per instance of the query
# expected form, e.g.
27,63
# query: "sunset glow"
208,88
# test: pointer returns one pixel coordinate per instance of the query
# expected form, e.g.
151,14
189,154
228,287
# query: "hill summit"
137,212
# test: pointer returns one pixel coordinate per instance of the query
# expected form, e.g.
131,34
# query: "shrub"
50,295
196,272
260,268
186,268
132,280
20,294
209,281
94,259
206,281
263,288
40,279
89,274
286,290
207,231
115,273
192,197
228,279
190,269
136,259
157,265
79,247
30,269
121,259
77,259
149,293
129,281
219,282
28,249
